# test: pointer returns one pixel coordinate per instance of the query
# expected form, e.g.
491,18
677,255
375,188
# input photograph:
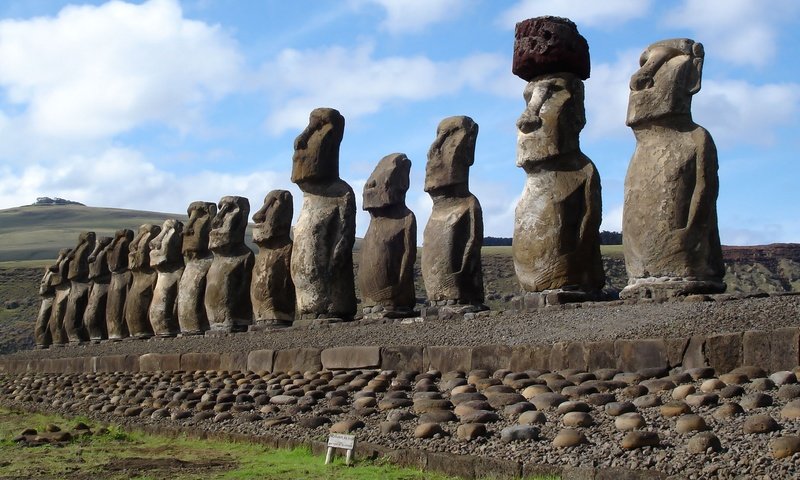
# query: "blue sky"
151,105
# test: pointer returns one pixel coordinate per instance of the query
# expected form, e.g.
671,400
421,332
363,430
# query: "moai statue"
192,317
47,290
669,221
322,256
389,249
272,290
166,259
121,278
140,295
99,277
453,237
556,245
227,298
58,333
78,276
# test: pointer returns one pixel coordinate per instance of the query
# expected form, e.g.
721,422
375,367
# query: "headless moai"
79,288
453,236
47,290
389,249
227,297
556,245
140,295
166,259
272,290
669,223
99,278
322,255
197,257
121,278
58,333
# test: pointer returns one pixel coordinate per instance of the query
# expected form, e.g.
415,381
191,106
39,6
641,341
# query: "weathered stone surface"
634,355
569,437
117,363
297,359
261,361
547,44
760,424
526,357
517,433
347,426
700,443
490,357
389,249
137,303
322,260
351,357
785,446
556,225
121,279
402,358
447,359
167,260
639,439
671,242
233,361
724,351
227,296
756,348
61,284
451,259
271,290
164,362
41,332
192,317
191,362
78,275
785,349
94,317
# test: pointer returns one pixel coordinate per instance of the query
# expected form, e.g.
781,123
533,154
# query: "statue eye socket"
643,58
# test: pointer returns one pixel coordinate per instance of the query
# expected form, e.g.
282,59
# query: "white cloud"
590,13
612,219
122,177
742,32
607,96
411,16
736,112
357,84
93,72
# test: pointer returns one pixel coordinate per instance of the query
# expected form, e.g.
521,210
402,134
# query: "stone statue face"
195,234
98,259
118,250
139,253
552,120
316,149
228,227
451,154
389,182
274,219
62,266
165,248
79,263
670,73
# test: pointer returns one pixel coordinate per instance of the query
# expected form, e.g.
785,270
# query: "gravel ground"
583,322
252,401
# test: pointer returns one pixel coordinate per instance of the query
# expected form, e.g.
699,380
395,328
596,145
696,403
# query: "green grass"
121,455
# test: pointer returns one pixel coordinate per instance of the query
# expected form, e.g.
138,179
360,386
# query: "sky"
151,105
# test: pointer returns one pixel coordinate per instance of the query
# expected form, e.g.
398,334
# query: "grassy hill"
38,232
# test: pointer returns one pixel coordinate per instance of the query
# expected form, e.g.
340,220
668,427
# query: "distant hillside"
37,232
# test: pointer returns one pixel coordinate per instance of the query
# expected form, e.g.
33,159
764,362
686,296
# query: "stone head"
195,234
229,224
61,267
548,44
79,262
670,73
119,249
165,248
52,273
98,259
139,250
274,219
316,149
553,118
451,154
388,183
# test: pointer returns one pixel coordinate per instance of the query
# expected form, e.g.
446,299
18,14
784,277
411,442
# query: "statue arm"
706,181
410,244
475,227
593,201
346,220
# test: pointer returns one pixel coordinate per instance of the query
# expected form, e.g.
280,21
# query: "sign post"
340,440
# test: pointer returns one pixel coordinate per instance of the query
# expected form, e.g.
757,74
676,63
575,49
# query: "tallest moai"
669,222
556,243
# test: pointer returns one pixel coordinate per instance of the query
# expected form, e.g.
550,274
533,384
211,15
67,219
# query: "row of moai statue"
170,279
174,279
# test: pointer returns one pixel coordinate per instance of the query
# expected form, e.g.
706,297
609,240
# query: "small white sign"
340,440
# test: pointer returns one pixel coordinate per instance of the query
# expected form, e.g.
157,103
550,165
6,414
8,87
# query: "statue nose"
641,82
